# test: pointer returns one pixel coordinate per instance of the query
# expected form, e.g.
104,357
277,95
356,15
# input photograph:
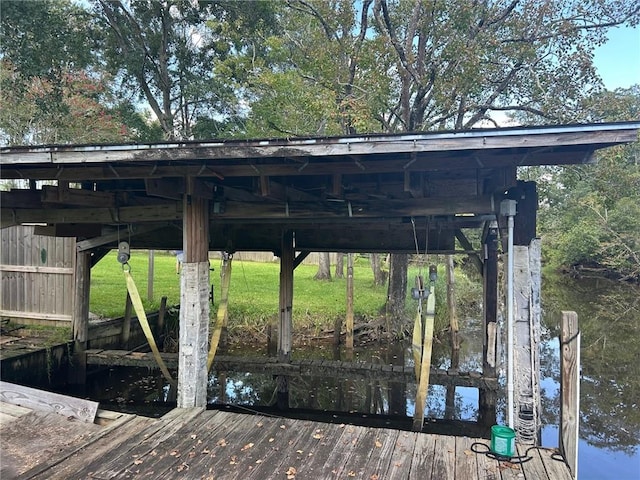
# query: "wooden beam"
300,258
147,213
466,244
130,231
75,196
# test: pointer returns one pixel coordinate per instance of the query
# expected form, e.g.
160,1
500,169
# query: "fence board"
37,275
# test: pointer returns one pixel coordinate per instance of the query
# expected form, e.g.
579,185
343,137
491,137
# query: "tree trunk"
379,275
339,265
324,267
397,293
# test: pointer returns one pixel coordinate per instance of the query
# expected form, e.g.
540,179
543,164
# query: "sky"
618,60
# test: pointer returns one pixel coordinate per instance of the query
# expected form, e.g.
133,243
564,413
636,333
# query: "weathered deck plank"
36,432
192,443
444,462
423,458
399,465
131,448
466,466
74,463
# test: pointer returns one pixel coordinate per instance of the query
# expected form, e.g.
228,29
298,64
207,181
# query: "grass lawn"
253,295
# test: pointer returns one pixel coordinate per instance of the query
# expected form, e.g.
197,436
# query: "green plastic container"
503,441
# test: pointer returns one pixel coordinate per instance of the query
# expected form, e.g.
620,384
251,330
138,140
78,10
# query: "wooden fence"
37,275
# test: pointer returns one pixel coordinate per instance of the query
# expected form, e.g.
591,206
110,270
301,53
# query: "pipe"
510,365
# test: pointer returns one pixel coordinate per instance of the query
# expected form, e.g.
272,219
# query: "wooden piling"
150,274
349,341
82,280
570,389
161,314
287,266
126,322
194,304
487,399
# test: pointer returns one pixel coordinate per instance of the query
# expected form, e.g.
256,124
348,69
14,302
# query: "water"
609,316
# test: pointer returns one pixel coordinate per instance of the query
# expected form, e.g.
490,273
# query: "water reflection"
609,317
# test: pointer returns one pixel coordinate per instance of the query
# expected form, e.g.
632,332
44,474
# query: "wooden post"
225,282
194,304
487,398
161,313
150,276
82,281
349,301
286,314
126,323
570,389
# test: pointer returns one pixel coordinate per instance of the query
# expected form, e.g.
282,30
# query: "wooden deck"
198,444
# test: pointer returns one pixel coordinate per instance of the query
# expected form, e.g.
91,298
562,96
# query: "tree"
52,87
591,213
324,267
181,57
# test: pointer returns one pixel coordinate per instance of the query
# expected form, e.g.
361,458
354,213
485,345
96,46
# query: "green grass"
253,295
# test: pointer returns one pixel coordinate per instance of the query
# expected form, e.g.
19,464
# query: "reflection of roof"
369,180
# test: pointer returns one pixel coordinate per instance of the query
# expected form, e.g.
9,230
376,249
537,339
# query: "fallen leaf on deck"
193,436
174,453
222,443
318,436
233,460
271,439
378,443
283,426
351,473
137,461
374,477
246,447
468,453
206,451
259,424
291,473
300,451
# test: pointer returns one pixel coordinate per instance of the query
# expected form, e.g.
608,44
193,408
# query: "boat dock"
216,444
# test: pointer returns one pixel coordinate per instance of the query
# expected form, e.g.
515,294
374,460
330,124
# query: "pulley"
124,254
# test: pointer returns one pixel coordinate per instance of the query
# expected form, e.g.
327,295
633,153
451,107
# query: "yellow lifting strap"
221,318
144,323
422,344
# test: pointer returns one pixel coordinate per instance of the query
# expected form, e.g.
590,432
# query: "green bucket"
503,441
